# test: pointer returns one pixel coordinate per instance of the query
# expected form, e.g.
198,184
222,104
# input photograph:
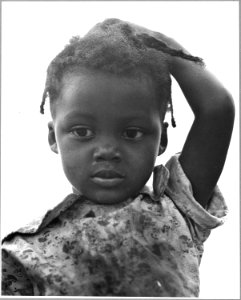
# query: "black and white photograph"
120,149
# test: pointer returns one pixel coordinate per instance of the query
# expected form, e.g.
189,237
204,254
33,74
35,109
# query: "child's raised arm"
204,152
206,146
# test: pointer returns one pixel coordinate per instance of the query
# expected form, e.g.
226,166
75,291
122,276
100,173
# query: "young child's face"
108,131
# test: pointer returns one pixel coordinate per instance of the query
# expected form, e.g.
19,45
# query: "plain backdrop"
33,33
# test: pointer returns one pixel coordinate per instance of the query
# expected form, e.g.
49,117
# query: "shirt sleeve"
179,189
14,279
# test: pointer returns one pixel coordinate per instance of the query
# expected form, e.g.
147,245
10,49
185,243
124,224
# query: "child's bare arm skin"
207,143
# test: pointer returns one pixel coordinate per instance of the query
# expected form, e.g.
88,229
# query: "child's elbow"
227,108
224,114
220,113
222,107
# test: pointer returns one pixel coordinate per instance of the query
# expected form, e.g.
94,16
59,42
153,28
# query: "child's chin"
108,198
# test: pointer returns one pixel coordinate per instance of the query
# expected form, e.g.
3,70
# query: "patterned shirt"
148,246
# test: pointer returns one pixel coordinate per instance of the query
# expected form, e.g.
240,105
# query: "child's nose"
107,153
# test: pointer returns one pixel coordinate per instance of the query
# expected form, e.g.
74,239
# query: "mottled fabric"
148,246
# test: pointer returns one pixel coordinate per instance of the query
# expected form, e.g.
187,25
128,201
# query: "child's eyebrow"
135,117
77,115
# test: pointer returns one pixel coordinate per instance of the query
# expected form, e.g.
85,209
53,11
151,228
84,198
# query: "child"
109,93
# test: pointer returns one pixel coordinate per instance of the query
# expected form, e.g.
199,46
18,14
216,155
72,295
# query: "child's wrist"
176,64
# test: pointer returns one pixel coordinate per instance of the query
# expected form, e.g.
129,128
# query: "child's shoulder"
40,223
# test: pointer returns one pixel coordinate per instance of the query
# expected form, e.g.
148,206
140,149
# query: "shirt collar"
160,180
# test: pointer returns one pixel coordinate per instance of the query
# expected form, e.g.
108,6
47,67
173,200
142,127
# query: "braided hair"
114,47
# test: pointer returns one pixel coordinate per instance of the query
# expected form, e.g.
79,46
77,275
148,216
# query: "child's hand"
144,32
159,41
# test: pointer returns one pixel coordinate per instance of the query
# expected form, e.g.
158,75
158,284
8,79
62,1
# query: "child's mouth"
107,178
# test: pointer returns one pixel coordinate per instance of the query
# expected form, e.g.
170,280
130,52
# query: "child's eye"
82,132
133,133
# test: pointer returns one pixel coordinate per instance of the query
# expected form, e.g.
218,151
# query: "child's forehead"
89,80
120,95
92,74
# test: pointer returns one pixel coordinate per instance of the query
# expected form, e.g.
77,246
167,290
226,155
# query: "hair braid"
154,43
43,101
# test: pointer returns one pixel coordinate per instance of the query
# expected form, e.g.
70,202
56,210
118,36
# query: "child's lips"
107,178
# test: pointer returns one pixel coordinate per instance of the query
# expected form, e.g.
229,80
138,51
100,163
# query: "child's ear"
52,138
164,139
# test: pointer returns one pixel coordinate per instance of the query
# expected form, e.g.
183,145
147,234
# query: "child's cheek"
72,164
